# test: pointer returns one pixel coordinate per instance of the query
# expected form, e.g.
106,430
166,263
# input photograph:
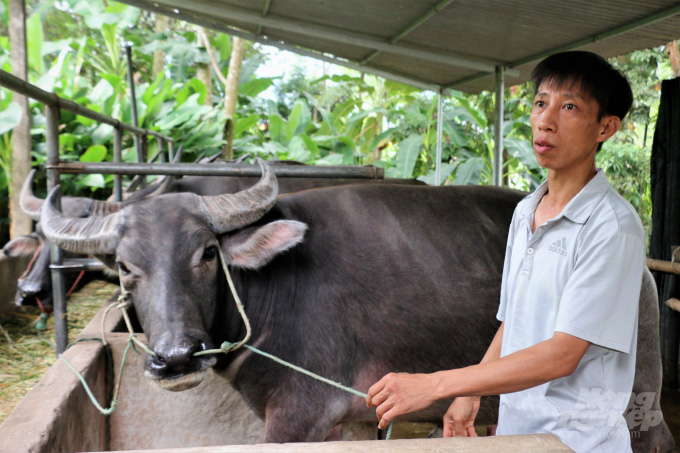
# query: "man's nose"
547,119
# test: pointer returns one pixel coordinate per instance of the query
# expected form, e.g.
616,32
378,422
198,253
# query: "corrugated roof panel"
495,31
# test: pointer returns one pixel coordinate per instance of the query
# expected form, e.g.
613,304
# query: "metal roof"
437,44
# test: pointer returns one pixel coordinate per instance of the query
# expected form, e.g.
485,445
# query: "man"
563,358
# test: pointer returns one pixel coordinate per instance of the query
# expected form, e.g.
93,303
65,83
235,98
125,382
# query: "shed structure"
469,45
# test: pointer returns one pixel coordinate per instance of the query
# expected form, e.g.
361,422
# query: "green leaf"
388,134
10,117
478,115
522,150
199,87
310,143
34,44
406,157
469,171
113,79
331,159
256,86
95,153
277,129
244,124
94,181
294,120
456,133
446,171
297,150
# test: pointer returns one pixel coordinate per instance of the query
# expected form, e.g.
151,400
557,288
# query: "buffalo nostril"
177,354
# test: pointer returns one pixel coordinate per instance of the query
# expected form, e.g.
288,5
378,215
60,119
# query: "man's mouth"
542,146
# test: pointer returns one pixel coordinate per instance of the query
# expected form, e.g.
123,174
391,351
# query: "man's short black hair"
593,74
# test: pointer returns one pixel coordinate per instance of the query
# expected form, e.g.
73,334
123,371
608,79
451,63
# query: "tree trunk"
231,95
21,135
203,69
162,24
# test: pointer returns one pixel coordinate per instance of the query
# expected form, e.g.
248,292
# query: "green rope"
225,348
114,400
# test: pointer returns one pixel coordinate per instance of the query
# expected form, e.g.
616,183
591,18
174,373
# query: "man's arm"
402,393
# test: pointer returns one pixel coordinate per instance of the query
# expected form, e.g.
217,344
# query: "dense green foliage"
347,118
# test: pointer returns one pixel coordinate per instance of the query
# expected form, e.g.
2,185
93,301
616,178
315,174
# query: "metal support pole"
440,122
117,158
221,169
161,150
58,286
498,132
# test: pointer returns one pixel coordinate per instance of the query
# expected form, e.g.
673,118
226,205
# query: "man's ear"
21,246
255,247
610,124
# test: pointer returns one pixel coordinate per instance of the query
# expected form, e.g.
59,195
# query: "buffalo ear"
21,246
254,247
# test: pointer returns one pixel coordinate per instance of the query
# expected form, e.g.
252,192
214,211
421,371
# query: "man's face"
566,130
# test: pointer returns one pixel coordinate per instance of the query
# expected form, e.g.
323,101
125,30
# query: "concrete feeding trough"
57,415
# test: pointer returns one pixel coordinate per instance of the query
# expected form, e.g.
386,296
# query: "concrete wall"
57,414
11,269
531,443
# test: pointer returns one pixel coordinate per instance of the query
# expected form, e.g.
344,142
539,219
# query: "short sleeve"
600,300
506,267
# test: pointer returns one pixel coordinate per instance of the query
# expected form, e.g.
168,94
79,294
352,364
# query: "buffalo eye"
209,253
123,268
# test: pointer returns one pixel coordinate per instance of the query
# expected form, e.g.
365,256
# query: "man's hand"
460,418
401,393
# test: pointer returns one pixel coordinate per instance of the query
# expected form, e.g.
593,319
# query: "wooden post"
231,94
21,135
203,69
161,25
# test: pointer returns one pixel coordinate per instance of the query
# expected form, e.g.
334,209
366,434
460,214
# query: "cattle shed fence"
53,104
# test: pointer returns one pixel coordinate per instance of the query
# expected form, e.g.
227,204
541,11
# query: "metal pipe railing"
218,169
14,83
56,254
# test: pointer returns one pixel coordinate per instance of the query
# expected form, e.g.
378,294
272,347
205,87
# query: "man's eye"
539,103
570,107
123,268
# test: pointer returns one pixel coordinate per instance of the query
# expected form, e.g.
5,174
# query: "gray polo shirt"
579,273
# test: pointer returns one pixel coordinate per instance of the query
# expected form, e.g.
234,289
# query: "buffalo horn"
30,204
229,212
87,236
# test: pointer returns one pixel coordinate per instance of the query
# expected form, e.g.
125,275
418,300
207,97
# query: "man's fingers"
384,421
373,391
379,399
383,408
460,431
471,431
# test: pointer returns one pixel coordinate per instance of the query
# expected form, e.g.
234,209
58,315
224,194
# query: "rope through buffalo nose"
228,347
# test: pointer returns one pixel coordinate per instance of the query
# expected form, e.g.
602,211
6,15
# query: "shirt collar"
580,207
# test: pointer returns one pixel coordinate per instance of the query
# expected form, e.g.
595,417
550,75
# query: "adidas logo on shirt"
559,247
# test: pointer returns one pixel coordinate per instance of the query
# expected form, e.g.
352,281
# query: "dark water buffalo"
37,281
349,282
